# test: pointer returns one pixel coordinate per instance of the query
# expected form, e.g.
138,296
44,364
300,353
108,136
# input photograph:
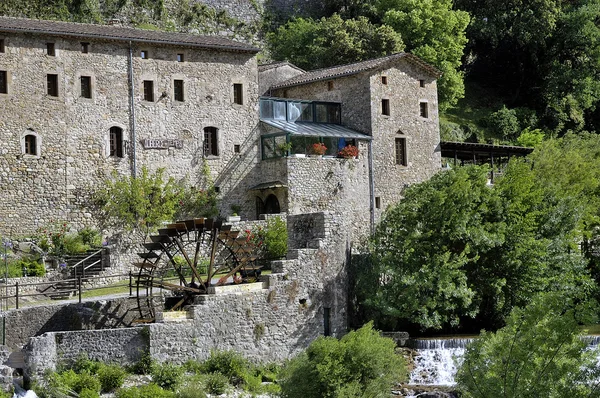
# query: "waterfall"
436,360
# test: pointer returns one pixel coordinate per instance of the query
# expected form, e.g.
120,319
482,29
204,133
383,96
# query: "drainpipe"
371,187
132,114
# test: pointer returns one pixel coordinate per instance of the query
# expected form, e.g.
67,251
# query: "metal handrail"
87,258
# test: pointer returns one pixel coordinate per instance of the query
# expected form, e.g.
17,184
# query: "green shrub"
144,365
361,364
111,377
147,391
166,375
191,390
84,364
26,266
90,237
504,123
86,381
268,372
89,394
216,383
193,366
275,238
228,363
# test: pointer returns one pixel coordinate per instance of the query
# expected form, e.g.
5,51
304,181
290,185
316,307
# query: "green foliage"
505,123
90,237
144,365
191,390
85,365
166,375
361,364
217,383
228,363
111,377
25,266
531,138
539,353
275,237
311,44
140,203
455,248
67,381
147,391
435,31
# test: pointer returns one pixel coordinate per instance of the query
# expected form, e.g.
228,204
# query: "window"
210,141
329,86
178,90
144,54
377,202
238,93
423,109
2,46
52,81
86,86
148,90
236,148
85,47
401,151
421,83
116,142
385,107
179,57
50,50
31,145
383,79
3,82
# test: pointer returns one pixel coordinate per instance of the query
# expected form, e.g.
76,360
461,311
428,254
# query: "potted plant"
284,148
318,149
348,152
234,217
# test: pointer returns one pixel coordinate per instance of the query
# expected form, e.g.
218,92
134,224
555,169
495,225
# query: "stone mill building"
79,102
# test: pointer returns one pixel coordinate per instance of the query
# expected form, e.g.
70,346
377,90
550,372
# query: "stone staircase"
84,265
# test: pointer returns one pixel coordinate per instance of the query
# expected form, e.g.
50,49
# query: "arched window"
272,205
211,147
31,145
116,142
260,207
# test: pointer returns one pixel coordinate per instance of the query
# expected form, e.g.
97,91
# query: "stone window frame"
424,109
378,202
209,153
2,45
386,107
79,75
178,77
330,85
59,88
180,57
51,49
8,83
238,93
38,144
421,83
107,146
384,80
155,96
144,54
85,47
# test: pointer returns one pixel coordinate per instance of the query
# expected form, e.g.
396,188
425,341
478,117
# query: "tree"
434,31
539,353
331,41
138,203
456,249
361,364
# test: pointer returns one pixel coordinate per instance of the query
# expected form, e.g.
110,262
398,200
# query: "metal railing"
57,287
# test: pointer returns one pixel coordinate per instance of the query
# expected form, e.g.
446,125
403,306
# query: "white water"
437,361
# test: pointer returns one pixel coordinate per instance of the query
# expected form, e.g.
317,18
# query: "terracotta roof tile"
352,69
111,32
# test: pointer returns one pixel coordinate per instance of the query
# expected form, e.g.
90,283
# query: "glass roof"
316,129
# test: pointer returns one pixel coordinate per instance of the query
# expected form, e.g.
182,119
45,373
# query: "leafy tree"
361,364
138,203
530,138
434,31
455,249
539,353
331,41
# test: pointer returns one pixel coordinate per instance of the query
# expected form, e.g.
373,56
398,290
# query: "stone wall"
120,346
24,323
73,132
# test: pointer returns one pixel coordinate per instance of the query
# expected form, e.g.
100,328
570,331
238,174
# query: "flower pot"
316,156
234,218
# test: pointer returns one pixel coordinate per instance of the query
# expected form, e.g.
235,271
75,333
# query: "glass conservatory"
292,127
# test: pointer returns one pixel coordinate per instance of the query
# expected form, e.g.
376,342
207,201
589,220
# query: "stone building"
80,102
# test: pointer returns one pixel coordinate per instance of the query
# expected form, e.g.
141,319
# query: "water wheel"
186,259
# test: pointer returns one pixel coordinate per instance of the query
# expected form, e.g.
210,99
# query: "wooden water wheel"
186,259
